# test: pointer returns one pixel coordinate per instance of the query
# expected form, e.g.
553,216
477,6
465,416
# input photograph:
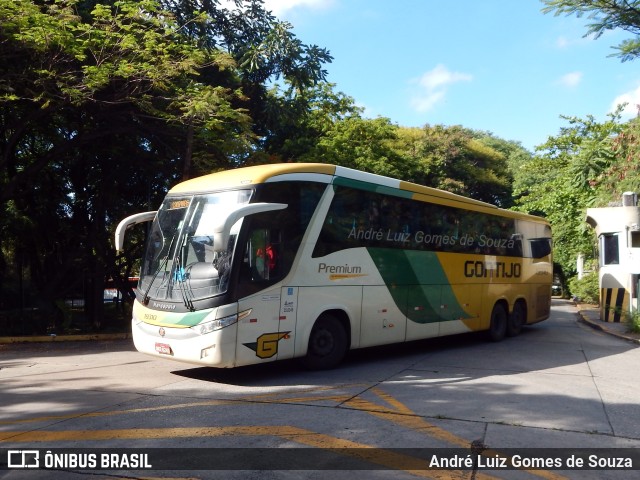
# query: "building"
618,232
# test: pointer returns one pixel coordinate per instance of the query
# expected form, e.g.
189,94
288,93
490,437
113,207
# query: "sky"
500,66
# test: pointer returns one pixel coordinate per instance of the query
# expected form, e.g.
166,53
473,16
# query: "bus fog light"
207,352
216,324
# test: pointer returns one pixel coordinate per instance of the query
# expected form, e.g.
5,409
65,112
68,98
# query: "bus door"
259,333
267,332
287,322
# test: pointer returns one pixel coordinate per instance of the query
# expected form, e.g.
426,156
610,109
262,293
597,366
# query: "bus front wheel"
499,320
327,344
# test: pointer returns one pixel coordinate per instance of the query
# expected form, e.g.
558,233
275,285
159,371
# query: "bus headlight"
217,324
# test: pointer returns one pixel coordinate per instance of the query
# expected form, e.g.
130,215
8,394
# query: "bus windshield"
181,262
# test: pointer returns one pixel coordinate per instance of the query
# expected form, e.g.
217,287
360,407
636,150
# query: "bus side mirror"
127,222
221,231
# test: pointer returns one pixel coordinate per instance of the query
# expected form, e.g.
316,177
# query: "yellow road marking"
396,412
413,422
406,417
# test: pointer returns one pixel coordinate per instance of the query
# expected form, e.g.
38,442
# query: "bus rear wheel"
499,320
516,320
327,344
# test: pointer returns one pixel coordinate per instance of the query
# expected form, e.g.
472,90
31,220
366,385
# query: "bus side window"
540,247
272,239
263,254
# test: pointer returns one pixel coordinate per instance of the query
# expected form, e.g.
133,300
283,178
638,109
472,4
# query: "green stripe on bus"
193,318
418,284
189,319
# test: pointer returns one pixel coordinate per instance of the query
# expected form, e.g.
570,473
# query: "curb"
598,326
65,338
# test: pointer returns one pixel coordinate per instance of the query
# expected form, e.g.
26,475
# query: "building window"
610,249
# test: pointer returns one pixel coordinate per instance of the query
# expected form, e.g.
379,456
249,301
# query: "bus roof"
245,176
248,176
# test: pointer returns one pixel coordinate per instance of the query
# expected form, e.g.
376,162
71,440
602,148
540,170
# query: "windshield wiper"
180,276
161,267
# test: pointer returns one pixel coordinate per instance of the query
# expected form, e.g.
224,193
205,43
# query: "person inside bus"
265,261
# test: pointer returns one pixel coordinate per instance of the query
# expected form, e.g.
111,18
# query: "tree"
605,15
73,82
103,106
129,59
263,46
458,160
266,52
565,181
364,144
623,173
294,122
597,161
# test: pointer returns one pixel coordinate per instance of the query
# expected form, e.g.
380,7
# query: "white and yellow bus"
311,260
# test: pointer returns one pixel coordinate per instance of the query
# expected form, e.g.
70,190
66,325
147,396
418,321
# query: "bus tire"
499,321
516,320
327,344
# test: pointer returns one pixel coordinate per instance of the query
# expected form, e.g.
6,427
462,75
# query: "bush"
633,322
587,289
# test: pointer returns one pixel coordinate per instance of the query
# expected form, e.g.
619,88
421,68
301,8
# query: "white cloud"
571,79
434,85
426,101
632,99
278,7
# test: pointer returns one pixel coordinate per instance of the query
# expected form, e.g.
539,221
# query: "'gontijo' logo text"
479,269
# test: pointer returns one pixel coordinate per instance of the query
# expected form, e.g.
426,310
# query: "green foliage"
293,122
633,321
568,176
362,144
105,105
605,15
588,164
622,174
132,47
586,289
264,47
459,160
598,162
331,130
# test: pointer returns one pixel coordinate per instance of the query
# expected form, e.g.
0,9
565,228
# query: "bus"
280,261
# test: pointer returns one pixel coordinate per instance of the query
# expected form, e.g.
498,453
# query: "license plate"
163,348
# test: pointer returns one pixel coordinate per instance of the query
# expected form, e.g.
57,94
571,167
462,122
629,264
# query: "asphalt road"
559,385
